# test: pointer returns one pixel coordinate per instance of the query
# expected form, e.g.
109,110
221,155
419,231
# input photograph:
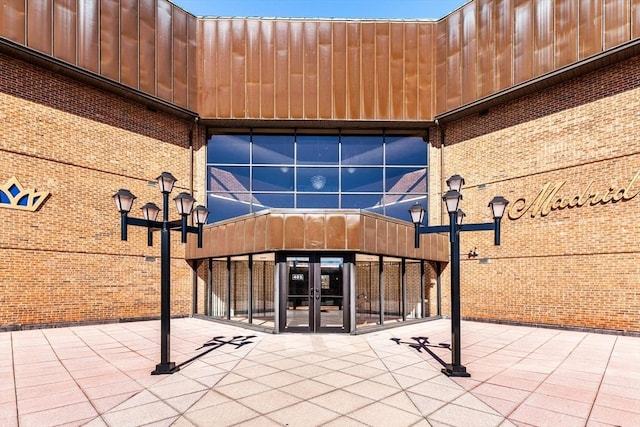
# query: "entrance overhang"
316,230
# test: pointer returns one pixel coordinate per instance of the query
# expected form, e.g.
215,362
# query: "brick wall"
575,267
65,263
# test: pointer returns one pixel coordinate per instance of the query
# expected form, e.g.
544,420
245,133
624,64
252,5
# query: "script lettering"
549,198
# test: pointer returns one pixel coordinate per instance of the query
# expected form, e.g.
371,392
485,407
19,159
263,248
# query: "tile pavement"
520,376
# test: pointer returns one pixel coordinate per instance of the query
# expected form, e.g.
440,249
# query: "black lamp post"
184,203
452,199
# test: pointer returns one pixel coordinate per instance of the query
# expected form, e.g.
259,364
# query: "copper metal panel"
180,57
486,54
147,49
64,30
635,19
392,238
222,68
617,24
441,67
426,70
336,231
469,53
310,70
381,236
368,71
411,58
296,69
314,231
164,53
397,81
523,41
454,59
354,49
293,231
129,40
207,67
339,58
369,234
192,61
253,67
543,37
249,235
403,241
566,32
12,21
238,66
88,35
325,70
383,86
275,232
590,28
260,234
276,84
355,232
238,237
503,27
110,39
39,33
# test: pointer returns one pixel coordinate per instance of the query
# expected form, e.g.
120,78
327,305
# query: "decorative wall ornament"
14,196
550,198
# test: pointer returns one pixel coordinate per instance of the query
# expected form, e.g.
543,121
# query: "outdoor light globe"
124,200
184,203
455,183
452,199
498,205
165,182
150,211
417,213
200,213
460,216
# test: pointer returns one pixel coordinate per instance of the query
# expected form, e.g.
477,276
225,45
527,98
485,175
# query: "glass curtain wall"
235,288
372,276
251,172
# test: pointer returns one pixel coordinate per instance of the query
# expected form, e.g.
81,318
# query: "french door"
314,294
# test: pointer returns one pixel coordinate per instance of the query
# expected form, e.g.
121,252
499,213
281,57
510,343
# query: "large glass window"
251,172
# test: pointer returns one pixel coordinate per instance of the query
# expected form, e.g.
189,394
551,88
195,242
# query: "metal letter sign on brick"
548,199
14,196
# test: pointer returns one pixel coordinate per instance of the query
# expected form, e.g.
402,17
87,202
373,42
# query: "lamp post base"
455,371
165,368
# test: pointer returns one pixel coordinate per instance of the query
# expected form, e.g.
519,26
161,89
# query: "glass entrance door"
315,294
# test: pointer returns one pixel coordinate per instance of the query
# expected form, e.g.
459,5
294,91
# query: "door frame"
314,287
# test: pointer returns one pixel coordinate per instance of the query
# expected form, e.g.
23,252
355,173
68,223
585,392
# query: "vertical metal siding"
469,57
110,39
13,21
39,23
566,32
440,65
354,69
368,70
590,28
543,37
635,19
147,49
310,70
180,57
325,70
253,68
192,62
164,49
503,25
129,42
382,61
485,67
88,38
238,68
397,80
338,99
426,79
410,74
64,30
454,60
617,23
522,41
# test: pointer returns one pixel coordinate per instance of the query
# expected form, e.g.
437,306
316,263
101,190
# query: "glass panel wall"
414,293
239,284
251,172
263,274
367,291
219,289
392,276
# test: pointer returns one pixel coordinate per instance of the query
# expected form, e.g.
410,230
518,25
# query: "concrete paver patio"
520,376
